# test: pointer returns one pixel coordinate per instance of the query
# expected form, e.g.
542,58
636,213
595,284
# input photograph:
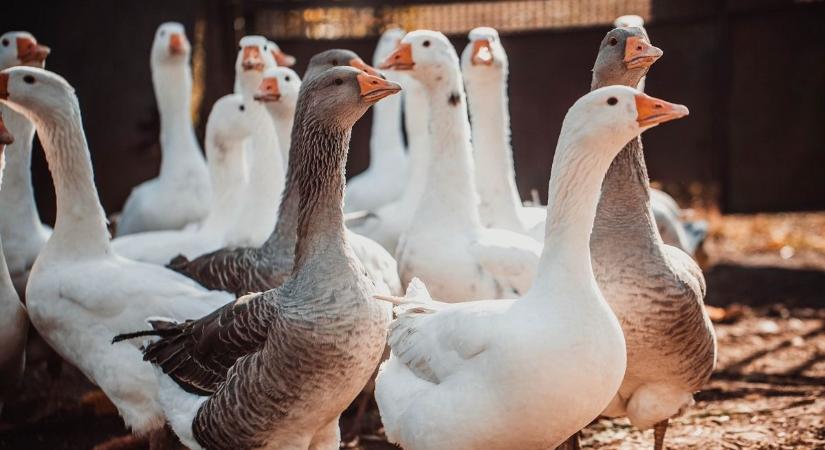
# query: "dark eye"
162,33
339,81
612,101
266,48
286,78
334,62
613,41
5,42
426,43
242,108
29,79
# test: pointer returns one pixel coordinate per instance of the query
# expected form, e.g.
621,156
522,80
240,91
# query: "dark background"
752,73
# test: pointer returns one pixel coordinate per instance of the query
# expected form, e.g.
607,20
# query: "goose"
379,184
323,316
386,224
254,269
486,374
226,130
656,290
80,293
484,66
445,244
20,226
14,324
259,209
278,92
181,193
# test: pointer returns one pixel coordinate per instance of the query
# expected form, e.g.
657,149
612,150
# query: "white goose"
226,130
484,65
14,325
380,184
80,293
527,373
446,244
20,226
181,193
259,209
278,92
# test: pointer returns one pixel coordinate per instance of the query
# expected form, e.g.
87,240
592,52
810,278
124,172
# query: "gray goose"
656,290
254,269
302,352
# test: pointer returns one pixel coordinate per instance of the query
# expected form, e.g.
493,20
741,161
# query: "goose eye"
334,62
286,78
612,101
29,79
162,33
242,108
426,43
613,41
5,42
266,48
339,81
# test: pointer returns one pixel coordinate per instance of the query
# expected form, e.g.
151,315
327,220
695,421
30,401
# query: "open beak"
177,44
282,59
268,91
651,111
30,53
482,53
4,86
252,58
375,88
5,137
359,63
400,59
638,53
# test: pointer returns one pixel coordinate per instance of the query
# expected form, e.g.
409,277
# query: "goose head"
279,89
254,55
229,120
334,58
341,95
428,55
281,59
625,55
20,48
37,93
170,46
614,115
484,56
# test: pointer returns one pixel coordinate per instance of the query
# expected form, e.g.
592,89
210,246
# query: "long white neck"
227,171
490,115
283,119
386,140
80,227
18,210
450,191
579,166
417,117
173,92
266,173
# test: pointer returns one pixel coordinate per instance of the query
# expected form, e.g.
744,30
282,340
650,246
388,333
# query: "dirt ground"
766,275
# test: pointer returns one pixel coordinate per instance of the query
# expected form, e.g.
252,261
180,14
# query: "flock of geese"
250,297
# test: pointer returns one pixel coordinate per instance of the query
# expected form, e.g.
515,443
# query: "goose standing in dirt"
655,289
254,269
181,193
294,357
526,373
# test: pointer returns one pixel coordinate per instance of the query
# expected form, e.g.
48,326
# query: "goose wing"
237,270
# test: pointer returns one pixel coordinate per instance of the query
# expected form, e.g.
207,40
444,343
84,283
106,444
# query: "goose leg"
659,431
572,443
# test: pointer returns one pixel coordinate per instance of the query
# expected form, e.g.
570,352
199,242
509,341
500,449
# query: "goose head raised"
20,48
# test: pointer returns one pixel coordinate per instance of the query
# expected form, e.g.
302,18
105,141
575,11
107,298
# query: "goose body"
226,131
14,324
181,194
446,244
322,316
487,374
81,293
658,292
381,182
254,269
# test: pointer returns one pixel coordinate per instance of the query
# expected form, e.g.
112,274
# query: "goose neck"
17,194
227,167
266,176
283,120
173,93
416,117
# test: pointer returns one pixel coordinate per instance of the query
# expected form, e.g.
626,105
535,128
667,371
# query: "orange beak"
5,137
651,111
638,53
268,91
359,63
4,86
177,44
482,53
29,53
282,59
252,58
400,59
375,88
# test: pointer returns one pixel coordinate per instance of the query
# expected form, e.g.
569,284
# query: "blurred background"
752,73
